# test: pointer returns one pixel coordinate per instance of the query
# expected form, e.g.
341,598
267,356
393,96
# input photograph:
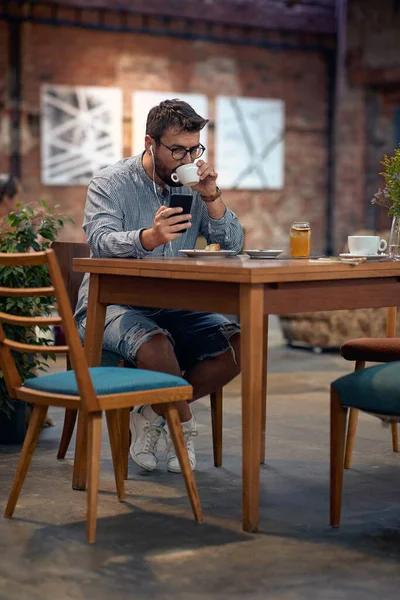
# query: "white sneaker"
189,432
145,437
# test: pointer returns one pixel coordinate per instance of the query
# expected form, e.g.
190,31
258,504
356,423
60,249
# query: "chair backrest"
74,347
66,252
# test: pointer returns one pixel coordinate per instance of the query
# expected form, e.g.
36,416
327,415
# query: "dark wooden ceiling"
313,16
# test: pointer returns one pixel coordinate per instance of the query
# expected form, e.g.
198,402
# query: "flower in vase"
389,196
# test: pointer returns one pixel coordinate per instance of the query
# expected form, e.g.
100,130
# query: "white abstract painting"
81,132
142,102
249,143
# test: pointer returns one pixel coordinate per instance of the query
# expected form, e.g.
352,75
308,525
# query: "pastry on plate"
213,248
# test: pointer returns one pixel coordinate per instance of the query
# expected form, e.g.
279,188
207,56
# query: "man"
127,215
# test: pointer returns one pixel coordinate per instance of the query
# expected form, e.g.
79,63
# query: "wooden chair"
364,350
92,391
66,252
373,390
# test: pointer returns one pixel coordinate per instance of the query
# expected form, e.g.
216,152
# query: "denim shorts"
195,335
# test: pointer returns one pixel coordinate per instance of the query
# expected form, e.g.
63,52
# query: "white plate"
263,253
207,254
368,256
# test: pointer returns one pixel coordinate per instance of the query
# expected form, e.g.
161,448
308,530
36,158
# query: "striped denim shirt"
121,203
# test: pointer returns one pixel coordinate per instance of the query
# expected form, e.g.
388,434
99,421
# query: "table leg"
252,355
264,390
96,316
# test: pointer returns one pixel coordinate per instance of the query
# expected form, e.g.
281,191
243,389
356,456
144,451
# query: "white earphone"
154,170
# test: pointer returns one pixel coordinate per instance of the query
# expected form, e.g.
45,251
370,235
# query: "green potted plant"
29,229
390,198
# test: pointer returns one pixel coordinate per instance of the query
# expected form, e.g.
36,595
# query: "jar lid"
301,225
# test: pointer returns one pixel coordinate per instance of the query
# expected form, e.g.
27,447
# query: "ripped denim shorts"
195,335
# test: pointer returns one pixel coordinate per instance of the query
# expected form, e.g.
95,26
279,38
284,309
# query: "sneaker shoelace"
153,433
187,436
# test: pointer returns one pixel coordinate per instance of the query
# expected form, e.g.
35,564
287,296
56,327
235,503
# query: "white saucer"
208,254
263,253
367,256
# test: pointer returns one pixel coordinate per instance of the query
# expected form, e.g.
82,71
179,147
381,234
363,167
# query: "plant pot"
12,430
394,239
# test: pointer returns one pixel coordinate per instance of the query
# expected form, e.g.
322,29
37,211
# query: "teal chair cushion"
106,380
376,389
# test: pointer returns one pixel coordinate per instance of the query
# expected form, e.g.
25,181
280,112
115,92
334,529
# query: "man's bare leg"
205,377
209,375
158,355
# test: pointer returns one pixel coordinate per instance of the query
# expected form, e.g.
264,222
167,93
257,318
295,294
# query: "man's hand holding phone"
168,222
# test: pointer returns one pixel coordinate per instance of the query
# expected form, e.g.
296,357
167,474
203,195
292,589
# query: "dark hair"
173,113
9,186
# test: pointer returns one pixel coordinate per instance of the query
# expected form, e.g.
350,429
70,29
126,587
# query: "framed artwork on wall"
250,143
81,132
143,101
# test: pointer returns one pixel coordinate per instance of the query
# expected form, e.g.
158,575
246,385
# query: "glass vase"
394,239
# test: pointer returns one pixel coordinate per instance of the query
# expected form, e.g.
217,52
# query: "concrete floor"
151,547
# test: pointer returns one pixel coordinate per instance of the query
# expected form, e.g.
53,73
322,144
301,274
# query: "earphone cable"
169,245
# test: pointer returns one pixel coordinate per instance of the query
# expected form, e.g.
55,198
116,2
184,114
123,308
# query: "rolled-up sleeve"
104,224
226,231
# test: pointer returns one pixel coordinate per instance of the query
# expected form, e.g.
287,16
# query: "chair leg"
94,449
68,430
69,425
124,415
263,427
114,432
216,422
338,435
351,437
395,437
176,433
79,475
31,438
352,427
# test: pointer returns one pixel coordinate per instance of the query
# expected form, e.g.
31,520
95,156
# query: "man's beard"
163,173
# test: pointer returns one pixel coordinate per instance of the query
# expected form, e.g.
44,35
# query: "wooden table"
250,288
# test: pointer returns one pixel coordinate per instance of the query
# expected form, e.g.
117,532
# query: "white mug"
366,245
186,174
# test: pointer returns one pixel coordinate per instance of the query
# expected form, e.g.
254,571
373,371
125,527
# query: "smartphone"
184,201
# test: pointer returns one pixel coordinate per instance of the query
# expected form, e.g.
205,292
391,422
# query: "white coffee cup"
186,174
366,245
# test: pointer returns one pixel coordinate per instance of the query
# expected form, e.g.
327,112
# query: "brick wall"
364,118
82,57
373,36
349,203
366,113
4,133
316,16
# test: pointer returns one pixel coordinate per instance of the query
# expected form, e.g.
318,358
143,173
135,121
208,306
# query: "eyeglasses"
179,153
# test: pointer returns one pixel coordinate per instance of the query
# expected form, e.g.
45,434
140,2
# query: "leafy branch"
31,228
